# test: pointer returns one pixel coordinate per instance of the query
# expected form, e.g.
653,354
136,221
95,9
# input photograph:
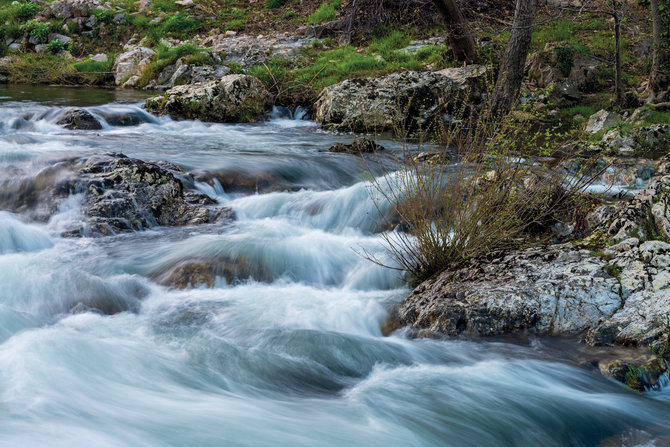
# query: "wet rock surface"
118,195
359,146
79,119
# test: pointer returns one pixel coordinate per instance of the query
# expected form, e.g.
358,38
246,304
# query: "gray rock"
249,50
616,142
471,79
41,47
131,63
100,57
328,29
543,290
68,9
377,103
60,38
15,47
645,214
79,119
562,66
602,120
234,98
119,194
182,74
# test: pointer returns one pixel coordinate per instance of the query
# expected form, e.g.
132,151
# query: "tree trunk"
618,83
512,65
460,39
659,79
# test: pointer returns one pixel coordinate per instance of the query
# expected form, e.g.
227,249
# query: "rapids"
288,351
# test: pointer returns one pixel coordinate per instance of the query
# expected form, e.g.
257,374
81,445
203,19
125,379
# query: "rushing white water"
287,351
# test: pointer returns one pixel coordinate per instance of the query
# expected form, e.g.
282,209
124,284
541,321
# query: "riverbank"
209,331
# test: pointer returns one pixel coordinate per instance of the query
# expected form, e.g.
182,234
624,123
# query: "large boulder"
409,98
551,290
602,120
470,80
643,270
129,65
559,63
234,98
181,73
118,194
645,215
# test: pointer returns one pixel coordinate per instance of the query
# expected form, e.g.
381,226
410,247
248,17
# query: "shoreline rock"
619,295
234,98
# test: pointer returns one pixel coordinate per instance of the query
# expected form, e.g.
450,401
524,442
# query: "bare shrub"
500,191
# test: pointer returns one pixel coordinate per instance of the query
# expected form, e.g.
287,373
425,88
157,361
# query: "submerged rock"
637,375
118,194
359,146
234,98
79,119
379,103
191,273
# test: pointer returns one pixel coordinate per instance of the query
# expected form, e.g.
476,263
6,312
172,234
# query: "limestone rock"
68,9
234,98
100,57
602,120
131,63
470,80
60,38
378,103
546,291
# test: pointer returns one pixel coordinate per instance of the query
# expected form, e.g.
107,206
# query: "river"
291,354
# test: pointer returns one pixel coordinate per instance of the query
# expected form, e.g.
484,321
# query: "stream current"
291,357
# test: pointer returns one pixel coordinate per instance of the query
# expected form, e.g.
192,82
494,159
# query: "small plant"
26,10
274,4
38,30
235,25
56,47
103,15
182,24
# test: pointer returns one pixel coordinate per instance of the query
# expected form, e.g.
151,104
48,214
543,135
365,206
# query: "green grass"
94,67
103,15
326,12
553,32
182,24
321,68
584,110
38,30
164,5
658,117
20,12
